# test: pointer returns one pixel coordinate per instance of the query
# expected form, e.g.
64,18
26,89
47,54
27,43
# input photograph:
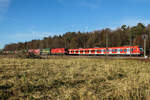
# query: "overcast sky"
24,20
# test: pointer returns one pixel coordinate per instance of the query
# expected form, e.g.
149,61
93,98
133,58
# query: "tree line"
123,36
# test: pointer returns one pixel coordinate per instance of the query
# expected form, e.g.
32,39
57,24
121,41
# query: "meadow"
74,79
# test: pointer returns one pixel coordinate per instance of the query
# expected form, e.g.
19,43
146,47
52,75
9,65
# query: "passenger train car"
125,50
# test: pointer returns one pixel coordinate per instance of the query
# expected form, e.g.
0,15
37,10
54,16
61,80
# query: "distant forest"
123,36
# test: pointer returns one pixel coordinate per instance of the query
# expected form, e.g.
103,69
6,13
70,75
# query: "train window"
131,50
125,50
77,51
86,51
71,51
104,50
115,50
81,51
107,50
92,50
99,51
121,50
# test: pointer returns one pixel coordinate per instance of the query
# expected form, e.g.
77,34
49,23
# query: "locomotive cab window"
141,49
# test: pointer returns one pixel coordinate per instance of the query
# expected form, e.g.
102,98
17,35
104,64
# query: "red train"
126,50
54,51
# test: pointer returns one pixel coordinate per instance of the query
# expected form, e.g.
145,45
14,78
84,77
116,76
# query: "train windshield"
141,49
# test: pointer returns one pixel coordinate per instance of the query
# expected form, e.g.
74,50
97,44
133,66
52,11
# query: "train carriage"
127,50
45,51
37,51
34,51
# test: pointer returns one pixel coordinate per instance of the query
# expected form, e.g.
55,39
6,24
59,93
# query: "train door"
99,52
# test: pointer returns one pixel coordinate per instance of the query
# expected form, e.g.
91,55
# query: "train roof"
98,48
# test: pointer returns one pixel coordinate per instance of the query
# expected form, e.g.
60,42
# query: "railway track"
109,57
77,56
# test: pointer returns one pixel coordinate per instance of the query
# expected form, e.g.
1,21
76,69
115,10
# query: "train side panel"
45,51
128,50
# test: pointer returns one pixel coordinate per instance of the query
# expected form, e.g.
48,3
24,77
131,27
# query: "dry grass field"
74,79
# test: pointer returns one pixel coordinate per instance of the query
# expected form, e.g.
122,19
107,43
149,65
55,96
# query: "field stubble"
74,79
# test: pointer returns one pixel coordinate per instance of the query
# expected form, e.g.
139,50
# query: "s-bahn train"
125,50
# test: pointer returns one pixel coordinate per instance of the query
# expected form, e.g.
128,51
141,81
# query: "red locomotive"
58,51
